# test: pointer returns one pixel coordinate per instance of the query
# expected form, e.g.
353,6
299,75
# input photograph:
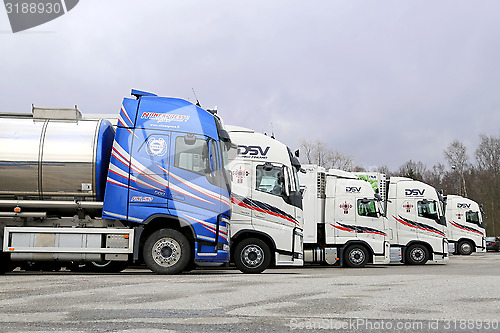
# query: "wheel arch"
164,221
470,241
247,233
419,242
364,244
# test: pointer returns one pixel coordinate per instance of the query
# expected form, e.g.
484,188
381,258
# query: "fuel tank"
46,158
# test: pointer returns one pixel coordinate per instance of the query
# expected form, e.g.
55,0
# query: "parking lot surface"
462,295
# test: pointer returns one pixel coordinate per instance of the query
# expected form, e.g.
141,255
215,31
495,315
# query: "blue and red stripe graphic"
357,229
417,225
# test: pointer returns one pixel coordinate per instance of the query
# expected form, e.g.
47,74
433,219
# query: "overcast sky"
382,81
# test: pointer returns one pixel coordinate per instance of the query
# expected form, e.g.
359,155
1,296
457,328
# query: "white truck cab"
417,226
266,218
343,221
465,226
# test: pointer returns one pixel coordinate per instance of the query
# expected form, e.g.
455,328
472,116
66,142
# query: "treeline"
473,175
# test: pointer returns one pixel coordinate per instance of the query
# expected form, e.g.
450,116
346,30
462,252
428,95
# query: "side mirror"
297,153
442,220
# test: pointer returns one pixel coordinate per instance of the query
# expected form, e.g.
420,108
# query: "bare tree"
487,180
413,170
441,179
308,149
385,170
488,154
456,155
317,153
321,154
337,160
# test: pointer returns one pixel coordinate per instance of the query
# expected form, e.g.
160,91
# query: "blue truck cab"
167,179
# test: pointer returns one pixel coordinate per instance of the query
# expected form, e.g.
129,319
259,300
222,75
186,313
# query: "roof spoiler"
139,93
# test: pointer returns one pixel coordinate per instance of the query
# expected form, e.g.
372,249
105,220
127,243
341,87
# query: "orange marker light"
126,236
17,209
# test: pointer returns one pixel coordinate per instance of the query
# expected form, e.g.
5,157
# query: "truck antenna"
197,101
272,131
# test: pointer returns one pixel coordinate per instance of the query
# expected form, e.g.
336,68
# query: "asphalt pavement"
462,295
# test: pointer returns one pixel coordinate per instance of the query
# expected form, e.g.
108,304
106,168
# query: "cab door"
149,181
194,194
344,222
406,209
271,212
241,196
368,220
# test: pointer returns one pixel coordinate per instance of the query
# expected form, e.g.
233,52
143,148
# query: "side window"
472,217
367,208
213,155
269,179
291,181
192,154
428,209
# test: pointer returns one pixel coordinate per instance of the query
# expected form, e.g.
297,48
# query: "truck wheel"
6,264
167,251
355,256
465,248
417,254
191,266
252,256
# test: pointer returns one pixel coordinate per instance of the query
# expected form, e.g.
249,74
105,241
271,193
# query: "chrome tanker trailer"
76,190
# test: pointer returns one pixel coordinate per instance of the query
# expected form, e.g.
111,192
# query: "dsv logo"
463,205
352,189
414,191
253,151
26,14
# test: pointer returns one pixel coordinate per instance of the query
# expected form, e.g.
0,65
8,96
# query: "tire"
252,256
465,248
417,254
191,266
6,264
355,256
167,251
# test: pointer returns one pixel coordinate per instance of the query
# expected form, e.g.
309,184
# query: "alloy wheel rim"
252,256
166,252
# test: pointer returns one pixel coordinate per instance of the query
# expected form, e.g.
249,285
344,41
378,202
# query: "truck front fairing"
167,161
266,198
465,226
415,215
340,210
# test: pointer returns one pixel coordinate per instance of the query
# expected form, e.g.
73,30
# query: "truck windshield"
367,208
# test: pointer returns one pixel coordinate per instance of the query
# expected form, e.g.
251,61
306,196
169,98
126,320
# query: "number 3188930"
33,8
